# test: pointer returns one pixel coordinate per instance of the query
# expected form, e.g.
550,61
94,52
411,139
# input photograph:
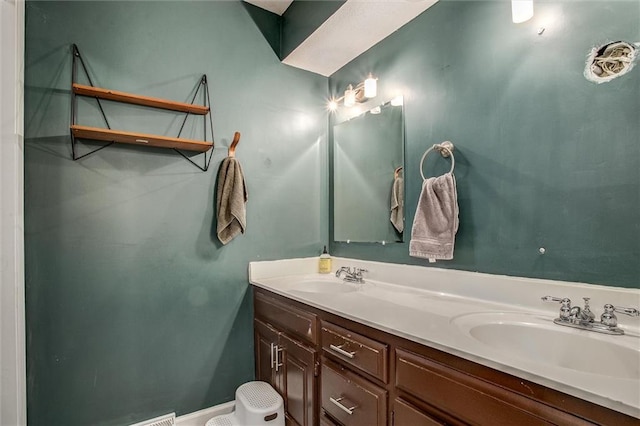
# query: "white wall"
12,329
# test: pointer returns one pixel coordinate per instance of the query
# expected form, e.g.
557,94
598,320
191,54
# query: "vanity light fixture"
349,96
521,10
397,101
370,87
366,90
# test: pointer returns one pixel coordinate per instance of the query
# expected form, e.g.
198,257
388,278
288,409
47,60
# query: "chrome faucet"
584,319
583,315
354,276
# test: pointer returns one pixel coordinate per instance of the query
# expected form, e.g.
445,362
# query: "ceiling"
354,28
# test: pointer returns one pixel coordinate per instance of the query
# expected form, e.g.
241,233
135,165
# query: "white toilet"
257,404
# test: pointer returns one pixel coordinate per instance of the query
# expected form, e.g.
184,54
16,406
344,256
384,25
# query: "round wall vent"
610,61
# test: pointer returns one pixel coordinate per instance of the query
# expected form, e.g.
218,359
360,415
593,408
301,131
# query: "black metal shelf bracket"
202,84
207,103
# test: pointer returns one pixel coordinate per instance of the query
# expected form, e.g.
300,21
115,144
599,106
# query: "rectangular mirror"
368,182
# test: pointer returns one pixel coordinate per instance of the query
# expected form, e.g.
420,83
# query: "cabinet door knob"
341,351
344,408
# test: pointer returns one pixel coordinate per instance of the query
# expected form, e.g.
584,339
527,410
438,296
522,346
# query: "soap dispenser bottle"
324,265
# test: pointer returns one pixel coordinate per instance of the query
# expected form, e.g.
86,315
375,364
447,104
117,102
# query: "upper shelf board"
114,95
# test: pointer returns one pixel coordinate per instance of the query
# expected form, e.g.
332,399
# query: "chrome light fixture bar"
361,92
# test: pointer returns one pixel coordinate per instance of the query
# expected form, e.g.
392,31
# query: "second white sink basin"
539,340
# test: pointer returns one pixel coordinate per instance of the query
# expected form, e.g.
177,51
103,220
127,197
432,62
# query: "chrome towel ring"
445,149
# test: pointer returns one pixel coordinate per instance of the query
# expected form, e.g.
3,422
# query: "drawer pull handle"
337,402
342,351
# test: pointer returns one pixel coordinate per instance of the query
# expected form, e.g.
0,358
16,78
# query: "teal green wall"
269,23
133,308
544,158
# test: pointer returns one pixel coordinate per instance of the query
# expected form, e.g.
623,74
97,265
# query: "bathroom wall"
544,158
133,307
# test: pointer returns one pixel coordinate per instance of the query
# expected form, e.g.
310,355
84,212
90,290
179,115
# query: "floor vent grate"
166,420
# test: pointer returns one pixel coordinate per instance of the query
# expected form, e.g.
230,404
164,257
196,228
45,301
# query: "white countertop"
438,308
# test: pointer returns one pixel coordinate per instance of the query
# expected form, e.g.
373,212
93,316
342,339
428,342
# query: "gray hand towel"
231,197
436,221
397,204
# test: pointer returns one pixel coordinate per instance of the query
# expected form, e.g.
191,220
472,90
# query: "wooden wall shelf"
114,95
119,136
134,138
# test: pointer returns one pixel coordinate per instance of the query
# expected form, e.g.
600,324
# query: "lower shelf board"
119,136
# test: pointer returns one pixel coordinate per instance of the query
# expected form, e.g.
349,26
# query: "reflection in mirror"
368,185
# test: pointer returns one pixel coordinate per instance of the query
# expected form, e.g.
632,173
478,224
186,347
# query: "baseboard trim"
199,418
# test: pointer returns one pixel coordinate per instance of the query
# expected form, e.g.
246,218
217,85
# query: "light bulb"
370,87
521,10
349,96
332,105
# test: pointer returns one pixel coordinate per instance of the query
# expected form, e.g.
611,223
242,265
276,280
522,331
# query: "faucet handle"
564,301
632,312
565,305
609,318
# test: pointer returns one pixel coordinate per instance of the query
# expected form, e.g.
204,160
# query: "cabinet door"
266,341
299,381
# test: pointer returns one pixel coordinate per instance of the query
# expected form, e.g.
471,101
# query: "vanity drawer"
406,415
286,317
325,420
473,400
350,399
356,350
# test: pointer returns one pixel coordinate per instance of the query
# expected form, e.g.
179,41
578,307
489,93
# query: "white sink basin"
322,287
327,285
539,340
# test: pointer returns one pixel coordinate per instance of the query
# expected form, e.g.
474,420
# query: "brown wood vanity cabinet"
333,371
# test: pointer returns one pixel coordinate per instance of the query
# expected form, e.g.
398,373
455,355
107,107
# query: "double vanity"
412,346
